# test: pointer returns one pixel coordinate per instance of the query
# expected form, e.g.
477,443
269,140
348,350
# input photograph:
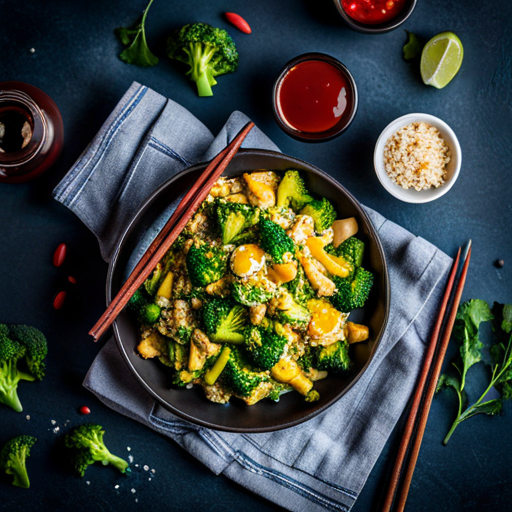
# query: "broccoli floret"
11,352
224,321
352,250
323,213
13,459
352,292
300,287
208,51
292,191
334,358
36,347
307,359
278,389
150,314
264,346
88,447
138,300
274,240
239,378
235,218
205,264
147,312
184,377
288,311
250,294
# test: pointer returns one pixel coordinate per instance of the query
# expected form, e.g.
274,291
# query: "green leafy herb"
412,48
134,38
469,317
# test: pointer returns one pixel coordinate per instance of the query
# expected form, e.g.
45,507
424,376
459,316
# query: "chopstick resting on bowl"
173,227
418,415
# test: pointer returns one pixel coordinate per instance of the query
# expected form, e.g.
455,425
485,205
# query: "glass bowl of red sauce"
314,98
375,16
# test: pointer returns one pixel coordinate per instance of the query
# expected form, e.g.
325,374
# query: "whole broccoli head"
13,458
300,287
11,352
250,293
352,250
274,240
239,378
235,218
208,51
88,447
36,347
224,321
292,191
264,346
205,264
352,292
334,358
323,213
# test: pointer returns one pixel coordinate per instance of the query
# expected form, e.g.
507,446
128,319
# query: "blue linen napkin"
322,464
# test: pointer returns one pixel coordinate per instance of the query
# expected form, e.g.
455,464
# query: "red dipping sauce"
313,96
372,12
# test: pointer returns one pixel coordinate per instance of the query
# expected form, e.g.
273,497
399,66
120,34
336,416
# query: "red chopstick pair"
410,444
173,227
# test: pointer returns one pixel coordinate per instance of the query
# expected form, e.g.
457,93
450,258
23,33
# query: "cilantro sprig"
470,316
134,37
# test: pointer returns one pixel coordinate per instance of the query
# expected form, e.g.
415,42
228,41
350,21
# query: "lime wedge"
441,59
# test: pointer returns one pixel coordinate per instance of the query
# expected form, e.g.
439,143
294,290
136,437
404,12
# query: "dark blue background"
76,63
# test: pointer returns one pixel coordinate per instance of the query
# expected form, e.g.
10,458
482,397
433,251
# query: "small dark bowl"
380,28
265,416
345,120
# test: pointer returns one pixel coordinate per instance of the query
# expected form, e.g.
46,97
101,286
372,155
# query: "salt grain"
116,487
130,458
133,491
146,468
32,50
53,422
28,417
88,483
153,471
128,448
56,429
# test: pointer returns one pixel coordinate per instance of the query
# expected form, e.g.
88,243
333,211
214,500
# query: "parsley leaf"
134,37
412,48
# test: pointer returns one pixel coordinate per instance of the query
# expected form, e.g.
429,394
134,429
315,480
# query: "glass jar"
31,132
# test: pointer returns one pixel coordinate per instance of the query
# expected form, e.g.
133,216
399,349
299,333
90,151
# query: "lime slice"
441,59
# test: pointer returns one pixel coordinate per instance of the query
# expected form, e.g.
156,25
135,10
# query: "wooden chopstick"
415,427
173,227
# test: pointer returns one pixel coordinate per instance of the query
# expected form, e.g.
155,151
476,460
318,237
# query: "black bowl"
265,416
380,28
345,120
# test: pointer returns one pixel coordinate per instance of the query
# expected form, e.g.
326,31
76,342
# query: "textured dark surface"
75,63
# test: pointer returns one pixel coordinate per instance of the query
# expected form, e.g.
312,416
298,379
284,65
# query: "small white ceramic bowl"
411,195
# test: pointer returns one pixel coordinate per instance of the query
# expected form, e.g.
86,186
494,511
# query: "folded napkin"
323,463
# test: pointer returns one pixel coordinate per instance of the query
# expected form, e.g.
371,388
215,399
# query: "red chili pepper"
60,255
72,279
238,22
59,300
84,410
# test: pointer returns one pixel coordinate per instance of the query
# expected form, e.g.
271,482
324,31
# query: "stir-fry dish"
253,298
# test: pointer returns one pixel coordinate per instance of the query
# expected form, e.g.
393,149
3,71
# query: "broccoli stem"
9,384
11,399
20,475
117,462
203,86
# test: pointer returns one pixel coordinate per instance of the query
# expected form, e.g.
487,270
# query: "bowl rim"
387,292
395,190
314,137
380,28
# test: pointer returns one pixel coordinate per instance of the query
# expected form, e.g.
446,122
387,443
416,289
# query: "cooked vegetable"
274,240
334,358
323,213
87,446
343,229
288,311
264,346
205,264
250,293
292,191
356,333
335,265
289,372
13,458
352,250
300,287
211,376
147,312
352,292
235,218
208,51
224,321
134,38
281,273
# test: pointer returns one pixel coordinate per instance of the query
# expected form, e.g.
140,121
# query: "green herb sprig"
134,37
470,316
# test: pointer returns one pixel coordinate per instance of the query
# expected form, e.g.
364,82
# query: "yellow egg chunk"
324,320
247,259
335,266
282,273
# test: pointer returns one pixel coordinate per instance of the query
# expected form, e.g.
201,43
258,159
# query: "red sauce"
372,12
313,96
